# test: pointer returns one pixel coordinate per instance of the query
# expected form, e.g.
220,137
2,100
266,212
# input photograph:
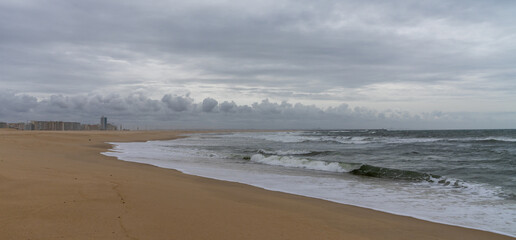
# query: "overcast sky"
260,64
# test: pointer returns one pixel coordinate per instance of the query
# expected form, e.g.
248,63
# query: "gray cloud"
138,111
456,54
177,103
209,104
12,102
228,106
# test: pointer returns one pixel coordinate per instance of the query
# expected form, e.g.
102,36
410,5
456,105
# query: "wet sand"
57,185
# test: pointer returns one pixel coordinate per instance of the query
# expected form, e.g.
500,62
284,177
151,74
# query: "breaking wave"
288,161
292,152
397,174
354,168
493,140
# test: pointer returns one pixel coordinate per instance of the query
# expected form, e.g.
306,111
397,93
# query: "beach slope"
57,185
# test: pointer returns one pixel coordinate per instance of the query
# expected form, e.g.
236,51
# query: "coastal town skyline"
35,125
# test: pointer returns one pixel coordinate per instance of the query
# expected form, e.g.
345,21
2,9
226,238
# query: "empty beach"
58,185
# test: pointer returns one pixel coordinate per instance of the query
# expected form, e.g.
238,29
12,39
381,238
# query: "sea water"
460,177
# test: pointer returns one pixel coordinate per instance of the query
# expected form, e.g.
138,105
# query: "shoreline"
310,196
107,198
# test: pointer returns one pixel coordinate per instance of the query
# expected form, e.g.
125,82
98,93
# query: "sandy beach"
57,185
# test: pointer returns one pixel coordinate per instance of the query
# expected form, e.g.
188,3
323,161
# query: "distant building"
18,126
72,126
48,125
90,127
54,126
111,127
60,126
103,123
29,126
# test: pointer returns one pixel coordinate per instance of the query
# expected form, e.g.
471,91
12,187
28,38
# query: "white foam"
291,137
287,161
500,139
412,140
298,137
284,152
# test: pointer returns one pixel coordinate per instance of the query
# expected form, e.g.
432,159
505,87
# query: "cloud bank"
137,111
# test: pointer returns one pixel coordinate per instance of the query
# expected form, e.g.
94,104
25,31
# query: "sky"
161,64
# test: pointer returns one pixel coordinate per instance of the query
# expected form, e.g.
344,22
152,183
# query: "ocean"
459,177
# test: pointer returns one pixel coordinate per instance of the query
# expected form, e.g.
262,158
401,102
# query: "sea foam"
288,161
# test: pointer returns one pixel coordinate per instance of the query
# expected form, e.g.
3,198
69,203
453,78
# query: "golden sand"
57,185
